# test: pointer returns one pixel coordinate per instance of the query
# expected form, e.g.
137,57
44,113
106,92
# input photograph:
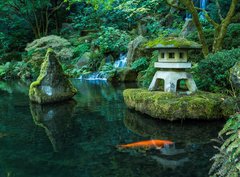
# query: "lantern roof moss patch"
172,43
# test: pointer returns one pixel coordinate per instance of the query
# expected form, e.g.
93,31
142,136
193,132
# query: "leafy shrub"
107,67
227,161
146,76
212,73
140,64
112,40
37,49
95,60
81,49
14,70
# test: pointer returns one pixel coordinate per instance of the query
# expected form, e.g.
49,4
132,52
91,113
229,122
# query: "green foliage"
112,40
140,64
145,77
81,49
224,5
4,42
107,67
95,61
230,42
227,161
212,73
15,70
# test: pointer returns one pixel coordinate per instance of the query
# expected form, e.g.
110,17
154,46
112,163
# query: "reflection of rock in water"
186,132
172,164
56,119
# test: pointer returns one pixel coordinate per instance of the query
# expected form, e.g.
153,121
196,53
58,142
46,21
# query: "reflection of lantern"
172,62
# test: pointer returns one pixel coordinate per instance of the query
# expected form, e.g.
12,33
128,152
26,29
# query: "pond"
79,138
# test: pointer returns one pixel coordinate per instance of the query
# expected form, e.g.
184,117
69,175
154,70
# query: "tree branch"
219,10
175,6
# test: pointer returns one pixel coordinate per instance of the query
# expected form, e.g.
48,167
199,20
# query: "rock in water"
170,106
51,85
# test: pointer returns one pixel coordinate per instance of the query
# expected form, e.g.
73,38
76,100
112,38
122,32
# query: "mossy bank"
170,106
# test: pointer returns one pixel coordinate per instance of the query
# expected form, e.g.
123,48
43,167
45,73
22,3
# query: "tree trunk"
140,30
221,30
190,6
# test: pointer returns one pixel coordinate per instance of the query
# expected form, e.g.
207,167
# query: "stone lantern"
172,63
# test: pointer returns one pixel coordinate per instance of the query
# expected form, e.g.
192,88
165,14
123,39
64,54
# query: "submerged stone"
170,106
51,85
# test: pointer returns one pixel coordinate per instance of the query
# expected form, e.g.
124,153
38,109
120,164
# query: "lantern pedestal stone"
170,81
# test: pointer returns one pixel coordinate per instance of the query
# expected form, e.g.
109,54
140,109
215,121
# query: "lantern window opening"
181,55
162,55
171,55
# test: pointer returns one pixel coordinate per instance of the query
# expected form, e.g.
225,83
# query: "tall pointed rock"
51,85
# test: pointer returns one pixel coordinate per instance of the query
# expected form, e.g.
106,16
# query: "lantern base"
170,80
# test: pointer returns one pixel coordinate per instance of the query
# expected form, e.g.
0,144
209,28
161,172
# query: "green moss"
62,86
164,105
171,42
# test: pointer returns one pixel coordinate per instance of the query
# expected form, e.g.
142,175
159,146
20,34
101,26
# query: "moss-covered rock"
169,106
51,85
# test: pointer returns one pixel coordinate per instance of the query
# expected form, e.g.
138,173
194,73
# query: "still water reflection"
78,138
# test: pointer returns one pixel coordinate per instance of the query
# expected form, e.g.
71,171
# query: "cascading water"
101,75
122,62
201,4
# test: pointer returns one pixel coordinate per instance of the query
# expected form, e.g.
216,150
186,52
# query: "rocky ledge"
171,106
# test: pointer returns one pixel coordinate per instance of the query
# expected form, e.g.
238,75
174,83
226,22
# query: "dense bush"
145,77
140,64
15,70
81,49
112,40
212,73
95,61
227,161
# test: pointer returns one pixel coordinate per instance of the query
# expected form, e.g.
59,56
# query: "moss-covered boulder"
51,85
169,106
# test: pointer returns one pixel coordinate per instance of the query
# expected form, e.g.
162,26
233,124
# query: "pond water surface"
79,138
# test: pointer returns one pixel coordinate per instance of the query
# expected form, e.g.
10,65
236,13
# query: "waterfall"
101,75
121,62
201,4
96,76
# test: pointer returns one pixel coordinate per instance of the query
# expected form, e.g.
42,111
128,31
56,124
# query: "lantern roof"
172,43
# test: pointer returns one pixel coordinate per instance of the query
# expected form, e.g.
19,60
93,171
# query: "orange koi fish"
147,144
